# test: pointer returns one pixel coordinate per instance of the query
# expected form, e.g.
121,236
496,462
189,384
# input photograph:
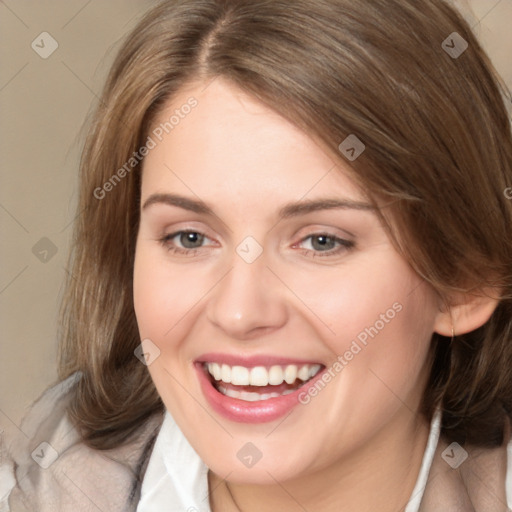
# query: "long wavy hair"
438,151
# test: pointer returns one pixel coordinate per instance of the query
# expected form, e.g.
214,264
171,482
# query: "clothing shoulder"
54,470
470,478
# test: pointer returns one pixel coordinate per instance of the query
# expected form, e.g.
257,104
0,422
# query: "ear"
466,313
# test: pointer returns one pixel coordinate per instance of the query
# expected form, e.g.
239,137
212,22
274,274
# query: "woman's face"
283,271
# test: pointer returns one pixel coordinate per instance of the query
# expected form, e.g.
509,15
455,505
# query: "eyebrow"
289,210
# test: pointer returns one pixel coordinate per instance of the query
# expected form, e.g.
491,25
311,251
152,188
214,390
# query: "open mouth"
259,382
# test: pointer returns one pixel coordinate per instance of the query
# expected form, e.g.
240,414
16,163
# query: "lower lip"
242,411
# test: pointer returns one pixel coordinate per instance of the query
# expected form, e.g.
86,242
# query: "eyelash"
343,245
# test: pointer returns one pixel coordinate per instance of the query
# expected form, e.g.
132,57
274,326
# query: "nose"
249,301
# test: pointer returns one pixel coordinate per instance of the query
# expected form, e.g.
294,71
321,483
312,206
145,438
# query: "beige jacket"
64,475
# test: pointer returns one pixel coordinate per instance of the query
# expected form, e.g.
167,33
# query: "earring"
453,334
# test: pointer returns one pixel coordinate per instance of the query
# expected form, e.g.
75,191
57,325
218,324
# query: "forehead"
230,143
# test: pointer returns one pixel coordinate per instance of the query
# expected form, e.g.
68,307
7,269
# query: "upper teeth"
261,376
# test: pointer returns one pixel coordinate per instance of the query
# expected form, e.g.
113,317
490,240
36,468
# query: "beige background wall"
43,104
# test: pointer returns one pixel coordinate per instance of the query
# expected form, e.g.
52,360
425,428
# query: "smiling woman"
300,297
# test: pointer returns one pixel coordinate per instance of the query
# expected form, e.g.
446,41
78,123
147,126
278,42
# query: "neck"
377,476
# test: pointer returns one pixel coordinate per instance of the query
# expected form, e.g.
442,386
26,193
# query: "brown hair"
438,151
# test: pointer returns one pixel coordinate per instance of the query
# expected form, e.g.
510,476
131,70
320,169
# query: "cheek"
163,294
353,301
164,297
376,320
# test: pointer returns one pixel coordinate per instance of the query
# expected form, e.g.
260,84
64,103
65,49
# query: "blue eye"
190,241
324,244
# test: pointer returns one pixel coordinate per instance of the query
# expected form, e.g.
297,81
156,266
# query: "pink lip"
250,361
242,411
